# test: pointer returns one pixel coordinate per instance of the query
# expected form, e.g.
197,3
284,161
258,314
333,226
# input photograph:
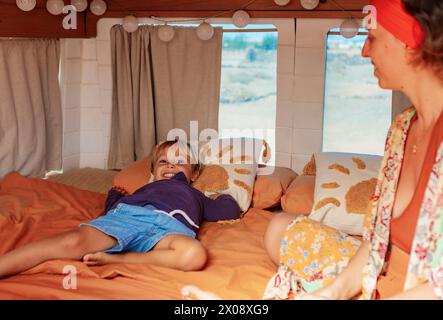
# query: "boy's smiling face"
171,161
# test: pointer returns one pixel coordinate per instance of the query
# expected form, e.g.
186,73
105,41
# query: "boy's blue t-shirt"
177,197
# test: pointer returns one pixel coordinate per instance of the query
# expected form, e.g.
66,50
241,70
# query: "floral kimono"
426,257
312,255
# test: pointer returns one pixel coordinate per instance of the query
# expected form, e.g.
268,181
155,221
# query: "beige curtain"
132,128
159,86
30,107
187,75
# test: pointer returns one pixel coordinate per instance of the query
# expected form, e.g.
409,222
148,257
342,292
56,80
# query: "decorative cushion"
310,168
235,180
230,167
344,187
299,198
269,188
134,176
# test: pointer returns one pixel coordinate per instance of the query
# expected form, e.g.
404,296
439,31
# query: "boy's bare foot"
98,259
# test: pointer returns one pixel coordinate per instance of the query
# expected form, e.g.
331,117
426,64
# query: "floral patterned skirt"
311,256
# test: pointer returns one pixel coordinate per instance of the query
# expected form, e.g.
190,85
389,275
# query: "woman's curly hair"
429,14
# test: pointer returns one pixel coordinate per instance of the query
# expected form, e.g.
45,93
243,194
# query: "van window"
357,113
248,84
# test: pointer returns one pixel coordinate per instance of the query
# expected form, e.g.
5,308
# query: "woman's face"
389,57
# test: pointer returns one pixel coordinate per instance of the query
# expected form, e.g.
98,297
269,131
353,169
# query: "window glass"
357,112
248,85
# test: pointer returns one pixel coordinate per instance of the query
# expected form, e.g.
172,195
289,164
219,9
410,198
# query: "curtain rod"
226,30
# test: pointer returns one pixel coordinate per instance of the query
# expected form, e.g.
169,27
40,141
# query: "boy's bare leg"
73,244
174,251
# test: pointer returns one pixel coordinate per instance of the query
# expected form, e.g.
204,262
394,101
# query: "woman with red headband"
401,256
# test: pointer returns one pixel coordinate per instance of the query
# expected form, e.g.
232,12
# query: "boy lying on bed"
155,225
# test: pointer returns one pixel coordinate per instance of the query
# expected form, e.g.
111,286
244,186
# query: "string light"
166,33
55,7
80,5
349,28
309,4
241,18
205,31
98,7
26,5
282,2
130,23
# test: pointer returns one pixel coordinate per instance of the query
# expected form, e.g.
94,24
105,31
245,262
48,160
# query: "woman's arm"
349,283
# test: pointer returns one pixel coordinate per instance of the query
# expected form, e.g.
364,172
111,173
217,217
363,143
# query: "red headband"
392,15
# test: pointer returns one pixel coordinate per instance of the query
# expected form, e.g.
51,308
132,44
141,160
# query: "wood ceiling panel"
41,4
40,23
215,5
209,5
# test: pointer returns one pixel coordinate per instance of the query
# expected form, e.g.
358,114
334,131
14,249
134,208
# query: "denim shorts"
136,228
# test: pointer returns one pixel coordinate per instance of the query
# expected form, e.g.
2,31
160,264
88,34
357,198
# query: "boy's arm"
224,207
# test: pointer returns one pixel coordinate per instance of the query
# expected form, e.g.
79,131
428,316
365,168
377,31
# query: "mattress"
91,179
31,209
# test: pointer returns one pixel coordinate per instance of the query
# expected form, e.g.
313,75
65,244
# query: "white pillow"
344,185
230,167
227,151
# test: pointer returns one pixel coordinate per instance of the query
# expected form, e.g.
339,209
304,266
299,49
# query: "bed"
30,209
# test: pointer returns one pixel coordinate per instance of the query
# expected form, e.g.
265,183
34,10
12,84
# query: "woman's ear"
410,55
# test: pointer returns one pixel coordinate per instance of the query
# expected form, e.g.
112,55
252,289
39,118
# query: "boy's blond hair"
185,147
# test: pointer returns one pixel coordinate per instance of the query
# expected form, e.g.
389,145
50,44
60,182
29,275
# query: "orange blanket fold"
31,209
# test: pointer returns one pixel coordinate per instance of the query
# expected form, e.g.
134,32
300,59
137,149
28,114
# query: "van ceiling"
40,23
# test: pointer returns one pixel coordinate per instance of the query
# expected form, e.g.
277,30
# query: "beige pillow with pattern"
230,167
344,187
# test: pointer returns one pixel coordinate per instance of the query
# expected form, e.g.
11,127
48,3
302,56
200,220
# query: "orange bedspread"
31,209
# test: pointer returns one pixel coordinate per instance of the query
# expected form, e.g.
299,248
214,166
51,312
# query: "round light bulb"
349,28
241,18
130,23
26,5
55,7
282,2
80,5
309,4
166,33
205,31
98,7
